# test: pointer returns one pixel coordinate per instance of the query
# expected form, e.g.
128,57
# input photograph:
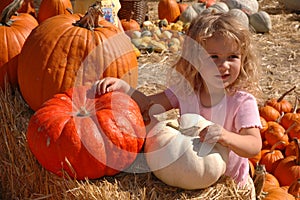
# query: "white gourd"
241,16
261,22
248,6
188,15
218,7
178,158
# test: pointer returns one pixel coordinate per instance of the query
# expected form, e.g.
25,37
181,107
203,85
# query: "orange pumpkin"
281,104
290,149
271,157
276,133
294,189
169,10
271,180
13,32
129,25
50,8
269,113
26,7
85,135
274,192
67,50
294,129
288,169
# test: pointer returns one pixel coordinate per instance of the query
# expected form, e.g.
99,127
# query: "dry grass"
23,178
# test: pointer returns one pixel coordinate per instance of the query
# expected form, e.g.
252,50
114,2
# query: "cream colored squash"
261,22
248,6
178,158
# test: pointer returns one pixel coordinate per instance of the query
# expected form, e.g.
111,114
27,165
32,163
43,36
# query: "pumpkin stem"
276,145
129,17
91,18
82,112
9,11
284,94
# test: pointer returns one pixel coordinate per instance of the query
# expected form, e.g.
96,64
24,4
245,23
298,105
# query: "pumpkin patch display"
14,29
86,136
68,50
176,156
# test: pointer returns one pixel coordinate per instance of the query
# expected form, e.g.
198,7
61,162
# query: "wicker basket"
139,8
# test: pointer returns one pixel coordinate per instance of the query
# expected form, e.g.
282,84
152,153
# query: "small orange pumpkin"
269,113
271,157
129,25
294,189
288,169
169,10
276,133
281,104
274,192
271,180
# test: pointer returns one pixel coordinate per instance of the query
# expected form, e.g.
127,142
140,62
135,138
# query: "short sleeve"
247,115
172,98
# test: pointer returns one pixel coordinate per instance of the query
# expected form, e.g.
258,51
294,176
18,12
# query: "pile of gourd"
280,154
166,34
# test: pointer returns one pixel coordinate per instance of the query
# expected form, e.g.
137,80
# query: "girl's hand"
212,134
110,84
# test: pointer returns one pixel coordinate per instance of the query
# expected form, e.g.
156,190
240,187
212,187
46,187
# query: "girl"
213,77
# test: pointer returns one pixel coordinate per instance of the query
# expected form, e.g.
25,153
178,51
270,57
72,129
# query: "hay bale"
22,177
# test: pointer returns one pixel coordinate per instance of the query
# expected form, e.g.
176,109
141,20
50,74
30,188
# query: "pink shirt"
233,113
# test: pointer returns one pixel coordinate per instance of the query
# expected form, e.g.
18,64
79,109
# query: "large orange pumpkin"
67,50
50,8
13,32
86,136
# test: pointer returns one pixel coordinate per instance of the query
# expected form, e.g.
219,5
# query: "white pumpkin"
248,6
178,158
261,22
191,12
218,7
241,16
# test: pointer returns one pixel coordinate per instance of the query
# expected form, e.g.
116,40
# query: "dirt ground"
279,49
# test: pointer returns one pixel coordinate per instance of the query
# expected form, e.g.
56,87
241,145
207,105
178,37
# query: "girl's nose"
223,64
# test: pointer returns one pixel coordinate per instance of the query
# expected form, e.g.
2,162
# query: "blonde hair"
206,26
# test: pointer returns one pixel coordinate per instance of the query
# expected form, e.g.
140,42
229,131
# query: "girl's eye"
213,56
234,57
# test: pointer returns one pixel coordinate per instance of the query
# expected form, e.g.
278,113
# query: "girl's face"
226,65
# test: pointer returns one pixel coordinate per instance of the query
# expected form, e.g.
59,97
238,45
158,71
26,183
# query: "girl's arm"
246,144
149,105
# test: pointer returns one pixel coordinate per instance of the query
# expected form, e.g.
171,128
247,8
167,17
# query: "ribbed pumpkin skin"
50,8
12,39
103,140
55,56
